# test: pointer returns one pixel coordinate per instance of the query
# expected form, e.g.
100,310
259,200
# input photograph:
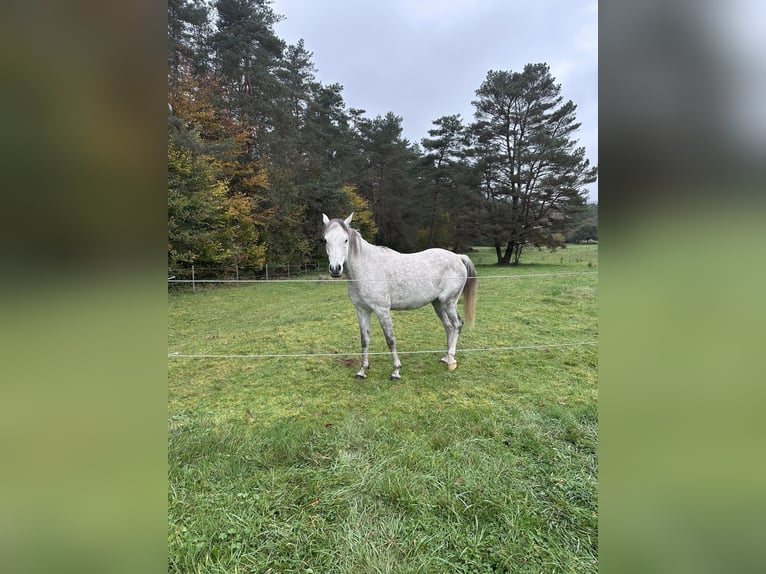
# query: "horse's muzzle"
336,270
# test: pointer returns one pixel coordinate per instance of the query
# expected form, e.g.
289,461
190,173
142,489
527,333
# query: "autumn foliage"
258,149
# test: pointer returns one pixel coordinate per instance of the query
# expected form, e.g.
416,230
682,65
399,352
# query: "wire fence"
298,272
359,354
298,276
234,273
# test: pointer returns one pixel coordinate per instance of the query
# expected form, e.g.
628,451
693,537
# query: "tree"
331,145
246,53
213,211
386,179
206,222
444,161
188,22
585,225
296,75
363,218
532,172
584,232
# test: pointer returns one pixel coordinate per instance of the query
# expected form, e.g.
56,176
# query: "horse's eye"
346,241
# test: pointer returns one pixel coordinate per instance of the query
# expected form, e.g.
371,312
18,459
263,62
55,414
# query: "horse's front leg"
384,317
364,330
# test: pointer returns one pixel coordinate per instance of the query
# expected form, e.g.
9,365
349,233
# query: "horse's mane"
355,239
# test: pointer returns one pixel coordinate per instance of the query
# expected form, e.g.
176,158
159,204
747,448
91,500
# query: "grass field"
292,465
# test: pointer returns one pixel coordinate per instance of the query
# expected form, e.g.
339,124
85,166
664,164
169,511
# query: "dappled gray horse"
381,279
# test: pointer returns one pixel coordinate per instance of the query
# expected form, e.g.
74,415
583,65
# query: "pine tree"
445,168
387,180
533,175
246,53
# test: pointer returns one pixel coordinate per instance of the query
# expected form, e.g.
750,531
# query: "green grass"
292,465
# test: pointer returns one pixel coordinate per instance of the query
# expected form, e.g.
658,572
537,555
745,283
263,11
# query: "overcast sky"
423,59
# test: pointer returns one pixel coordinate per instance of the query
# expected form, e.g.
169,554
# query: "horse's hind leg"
384,317
448,331
455,323
364,330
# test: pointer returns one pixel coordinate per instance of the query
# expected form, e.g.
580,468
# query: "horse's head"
336,238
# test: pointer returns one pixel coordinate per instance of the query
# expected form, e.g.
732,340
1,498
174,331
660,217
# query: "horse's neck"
362,259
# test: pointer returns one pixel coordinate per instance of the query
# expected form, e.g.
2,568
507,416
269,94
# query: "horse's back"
417,279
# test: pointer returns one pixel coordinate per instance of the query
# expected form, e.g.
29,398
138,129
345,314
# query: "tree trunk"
517,254
499,252
508,252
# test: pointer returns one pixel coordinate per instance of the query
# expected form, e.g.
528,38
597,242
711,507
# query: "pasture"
290,464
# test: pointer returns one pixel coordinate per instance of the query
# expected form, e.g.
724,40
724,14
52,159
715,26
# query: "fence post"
288,271
194,286
236,269
267,272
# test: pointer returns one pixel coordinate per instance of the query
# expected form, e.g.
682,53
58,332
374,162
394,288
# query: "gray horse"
381,279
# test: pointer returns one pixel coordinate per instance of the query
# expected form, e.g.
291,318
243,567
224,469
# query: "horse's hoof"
395,378
360,377
451,366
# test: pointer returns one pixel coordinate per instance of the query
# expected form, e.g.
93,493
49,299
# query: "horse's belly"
397,300
424,293
409,303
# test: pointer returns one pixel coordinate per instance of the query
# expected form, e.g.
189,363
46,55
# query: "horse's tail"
469,291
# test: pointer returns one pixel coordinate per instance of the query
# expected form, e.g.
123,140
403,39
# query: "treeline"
258,149
585,225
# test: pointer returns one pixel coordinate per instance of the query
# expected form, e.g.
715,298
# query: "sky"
423,59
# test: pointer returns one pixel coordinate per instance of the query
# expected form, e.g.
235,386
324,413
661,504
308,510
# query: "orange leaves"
363,217
214,214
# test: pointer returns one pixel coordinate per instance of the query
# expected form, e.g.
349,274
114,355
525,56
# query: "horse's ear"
325,219
347,221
